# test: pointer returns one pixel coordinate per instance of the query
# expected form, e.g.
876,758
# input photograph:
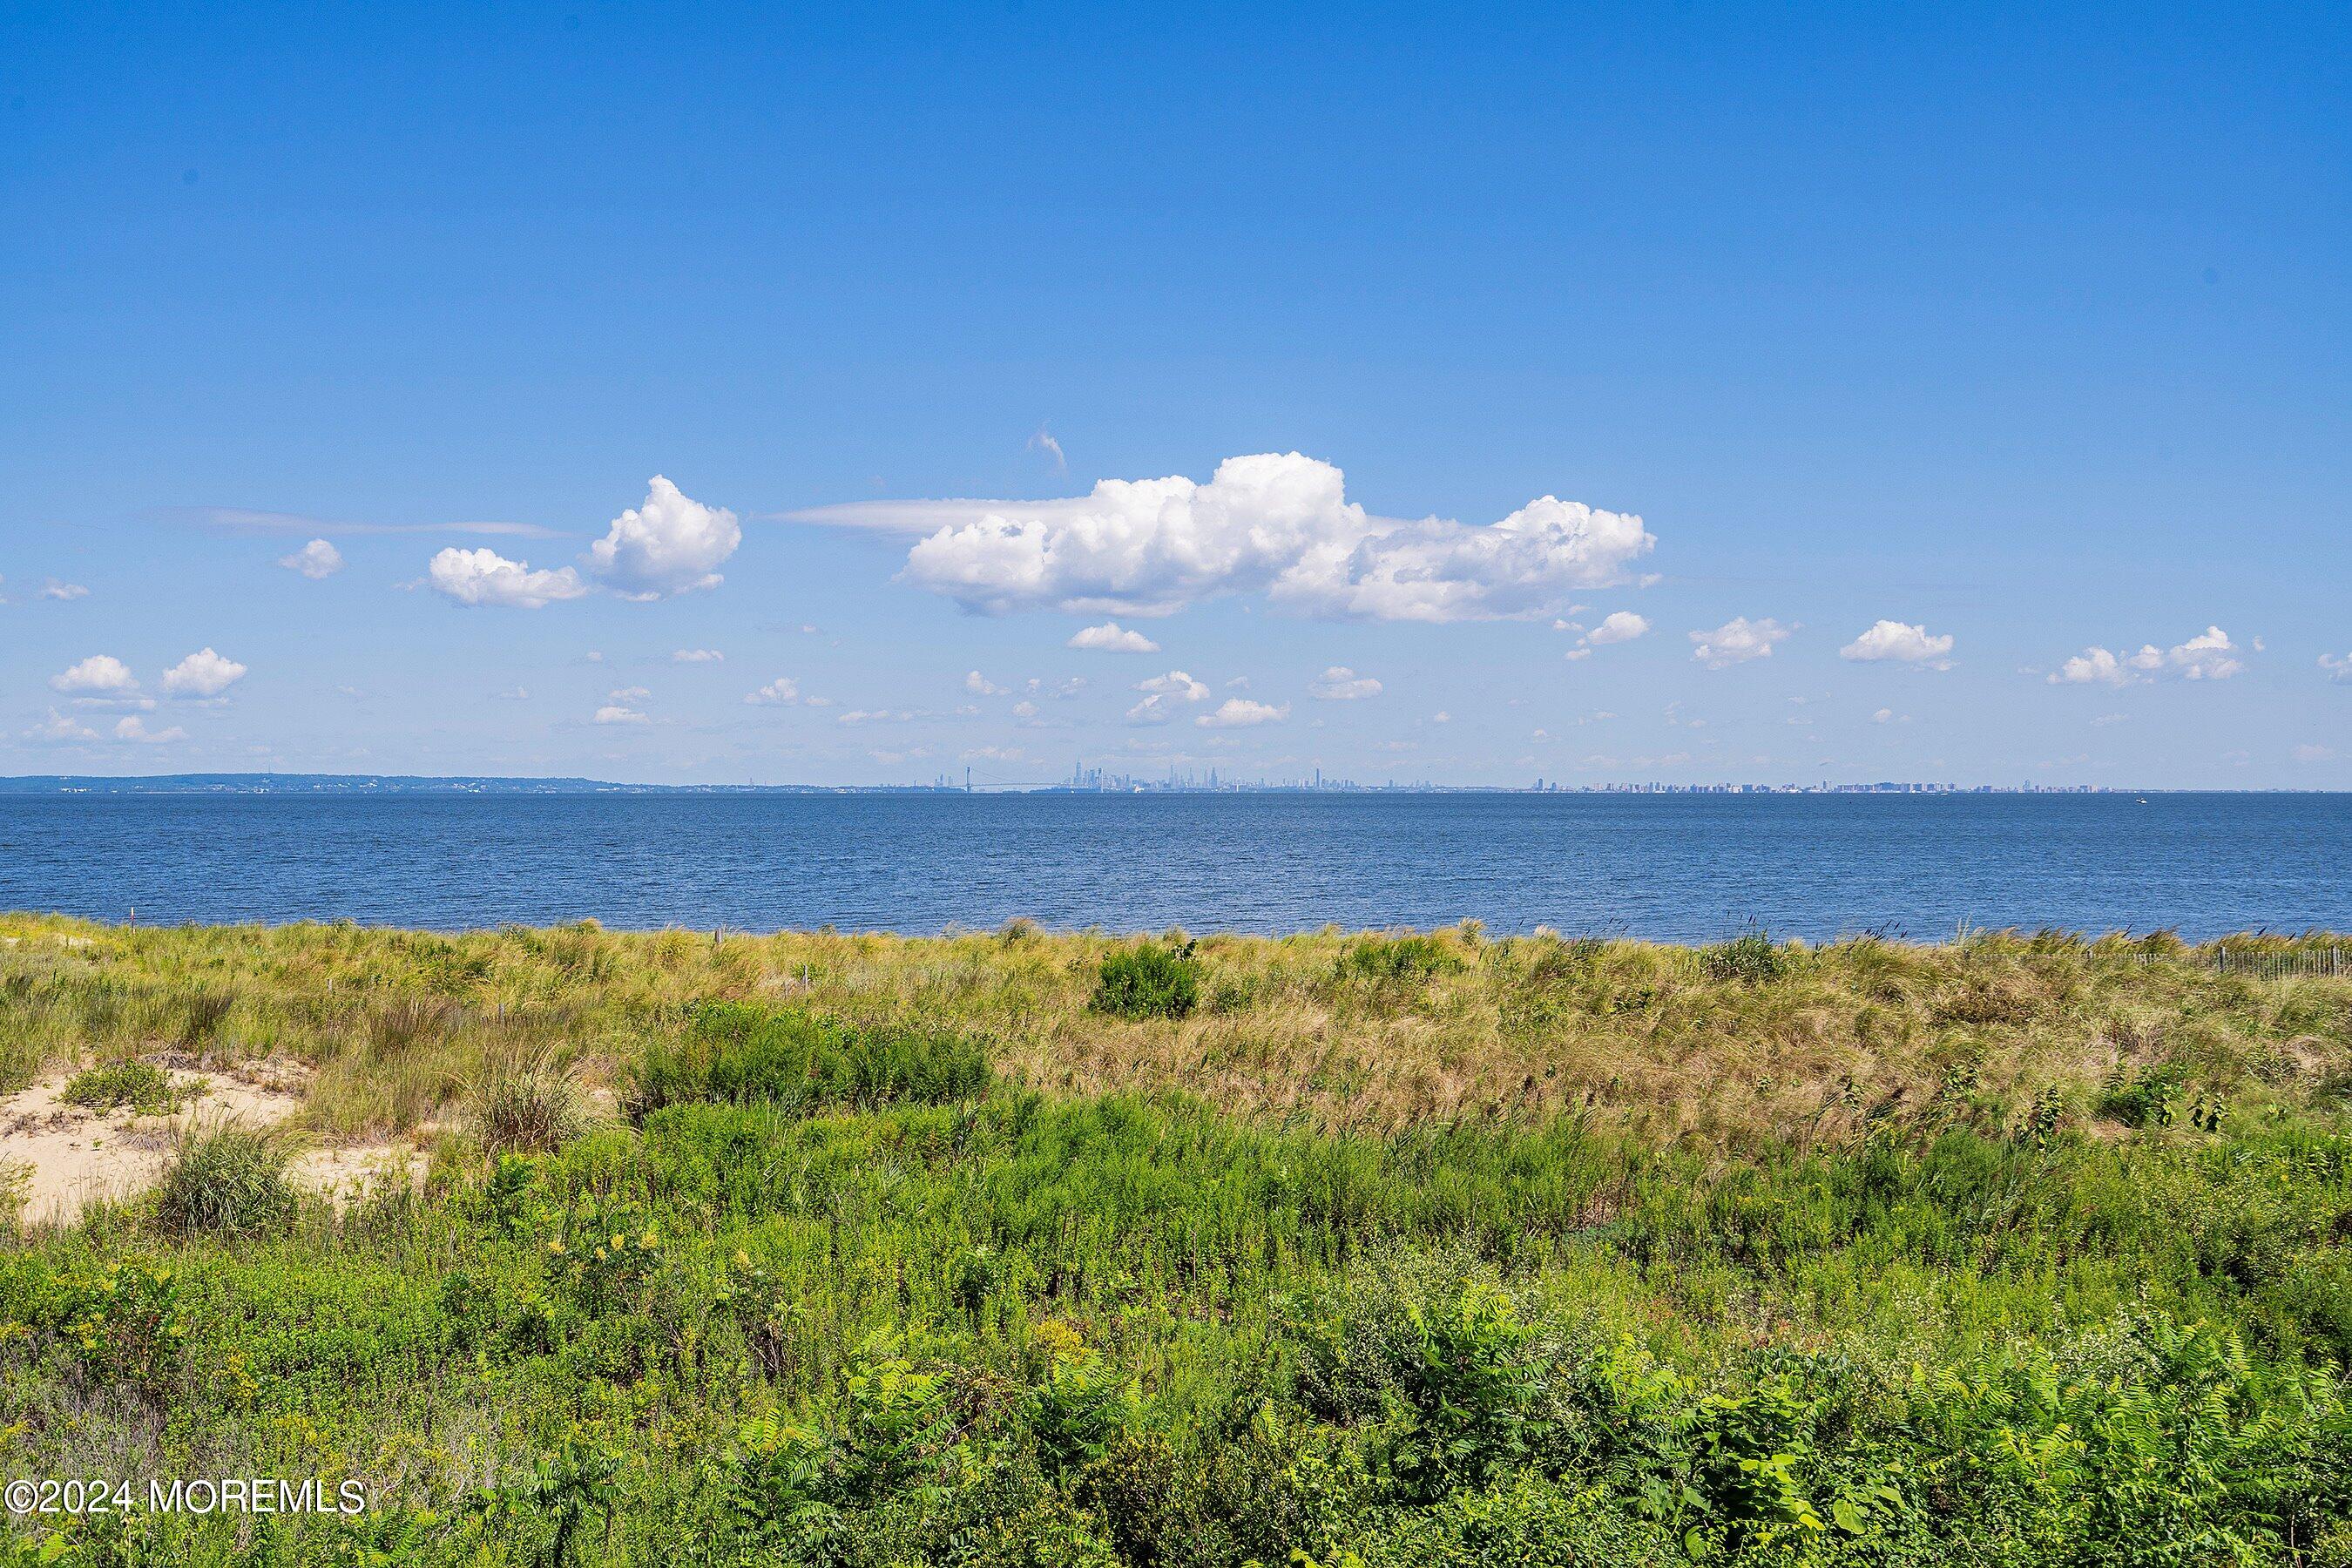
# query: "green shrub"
1079,1406
741,1053
1399,960
1152,981
226,1178
142,1086
1750,959
124,1323
2147,1098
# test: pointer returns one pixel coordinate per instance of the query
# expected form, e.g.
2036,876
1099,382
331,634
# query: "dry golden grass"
398,1023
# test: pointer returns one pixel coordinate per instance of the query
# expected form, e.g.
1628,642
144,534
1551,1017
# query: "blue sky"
2026,329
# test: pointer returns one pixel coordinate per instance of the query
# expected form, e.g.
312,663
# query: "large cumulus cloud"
1276,523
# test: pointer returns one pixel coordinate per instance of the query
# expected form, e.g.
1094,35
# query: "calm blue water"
1670,867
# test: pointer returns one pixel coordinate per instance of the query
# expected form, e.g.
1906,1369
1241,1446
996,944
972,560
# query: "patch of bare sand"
78,1157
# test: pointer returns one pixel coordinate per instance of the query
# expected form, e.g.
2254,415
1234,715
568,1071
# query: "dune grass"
1387,1249
1361,1031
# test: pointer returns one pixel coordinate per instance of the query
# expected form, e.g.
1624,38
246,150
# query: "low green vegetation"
1151,981
139,1086
1383,1250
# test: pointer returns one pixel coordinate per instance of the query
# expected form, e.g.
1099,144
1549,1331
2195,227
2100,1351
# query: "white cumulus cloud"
980,685
1112,637
315,560
780,692
698,656
1237,712
63,592
1736,641
1622,626
133,728
1340,684
2338,665
58,727
2209,656
484,577
670,544
1162,695
1894,641
614,713
202,674
99,674
1276,523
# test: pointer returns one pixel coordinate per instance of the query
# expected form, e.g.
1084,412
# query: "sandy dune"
78,1157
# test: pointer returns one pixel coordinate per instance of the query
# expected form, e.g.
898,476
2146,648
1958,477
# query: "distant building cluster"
1085,780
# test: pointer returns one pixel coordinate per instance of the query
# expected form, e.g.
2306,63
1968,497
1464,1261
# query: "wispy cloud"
248,519
1043,441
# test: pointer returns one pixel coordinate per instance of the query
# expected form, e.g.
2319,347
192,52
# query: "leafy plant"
1149,981
142,1086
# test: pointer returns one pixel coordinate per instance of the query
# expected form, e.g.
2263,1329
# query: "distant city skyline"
1668,398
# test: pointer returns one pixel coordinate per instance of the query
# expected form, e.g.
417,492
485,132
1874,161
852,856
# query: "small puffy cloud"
64,593
698,656
1043,441
2338,665
1623,626
1273,524
2099,666
781,692
980,685
1161,694
990,754
99,674
628,694
1237,712
58,727
2209,656
2312,754
1340,684
1736,641
315,560
614,713
133,728
668,545
1900,644
1112,637
202,674
486,577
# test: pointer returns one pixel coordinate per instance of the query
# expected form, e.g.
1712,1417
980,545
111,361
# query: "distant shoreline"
366,784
